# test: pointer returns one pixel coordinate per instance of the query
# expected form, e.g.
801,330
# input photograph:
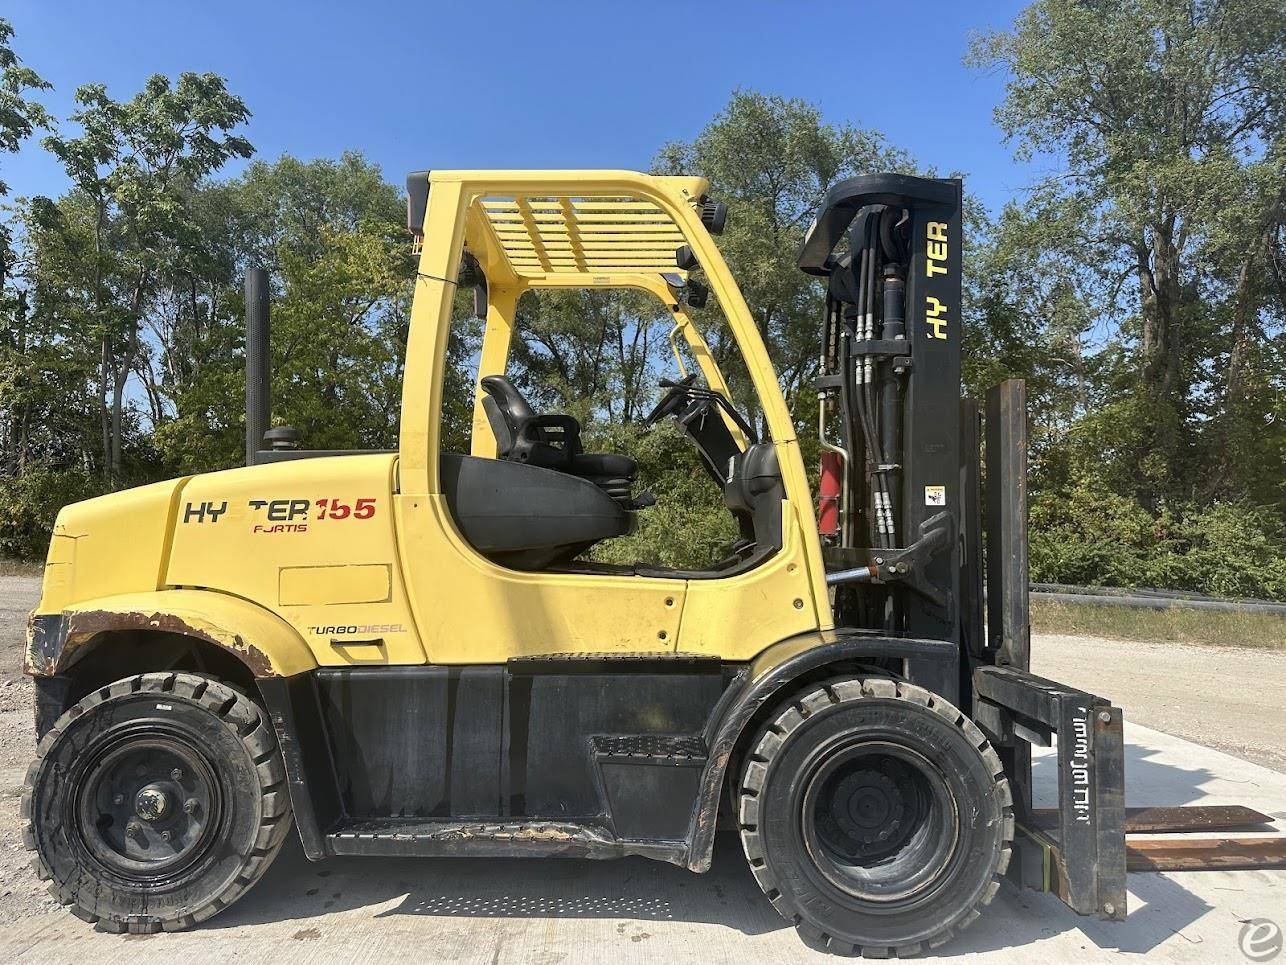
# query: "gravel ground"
21,895
1226,698
1223,698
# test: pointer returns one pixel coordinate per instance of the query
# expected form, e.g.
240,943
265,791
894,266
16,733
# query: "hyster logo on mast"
935,314
936,250
935,263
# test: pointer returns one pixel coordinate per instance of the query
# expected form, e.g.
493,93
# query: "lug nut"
165,835
118,799
176,774
133,829
189,806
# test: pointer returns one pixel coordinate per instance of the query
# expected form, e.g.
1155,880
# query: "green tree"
333,236
20,116
1167,115
595,354
136,161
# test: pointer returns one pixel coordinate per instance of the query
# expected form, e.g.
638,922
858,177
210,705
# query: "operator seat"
551,442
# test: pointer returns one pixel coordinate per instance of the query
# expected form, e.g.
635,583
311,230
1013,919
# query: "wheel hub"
868,806
147,806
152,803
879,822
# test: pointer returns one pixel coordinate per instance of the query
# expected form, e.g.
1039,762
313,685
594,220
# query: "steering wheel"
672,401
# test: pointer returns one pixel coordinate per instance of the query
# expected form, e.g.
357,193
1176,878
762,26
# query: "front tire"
875,816
156,802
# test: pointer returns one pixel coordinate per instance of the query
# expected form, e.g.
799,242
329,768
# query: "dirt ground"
21,895
1225,699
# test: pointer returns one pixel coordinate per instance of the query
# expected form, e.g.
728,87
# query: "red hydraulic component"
828,491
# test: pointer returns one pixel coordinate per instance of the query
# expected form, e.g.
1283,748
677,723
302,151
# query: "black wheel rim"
147,805
880,823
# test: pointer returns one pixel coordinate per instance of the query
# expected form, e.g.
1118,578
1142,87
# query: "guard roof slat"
579,204
568,234
550,217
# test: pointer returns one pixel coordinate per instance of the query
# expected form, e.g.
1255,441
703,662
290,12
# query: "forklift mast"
889,248
902,517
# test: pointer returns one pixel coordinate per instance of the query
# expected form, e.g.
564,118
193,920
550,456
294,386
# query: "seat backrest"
507,411
499,427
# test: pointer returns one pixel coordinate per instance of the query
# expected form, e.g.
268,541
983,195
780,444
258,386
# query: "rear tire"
156,802
875,816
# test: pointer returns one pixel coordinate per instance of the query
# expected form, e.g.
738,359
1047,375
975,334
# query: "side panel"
523,741
311,540
472,611
554,710
87,555
737,617
415,741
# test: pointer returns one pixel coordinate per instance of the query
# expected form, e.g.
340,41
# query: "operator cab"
529,496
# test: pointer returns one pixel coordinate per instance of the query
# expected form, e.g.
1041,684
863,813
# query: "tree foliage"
134,167
20,116
1140,288
1167,218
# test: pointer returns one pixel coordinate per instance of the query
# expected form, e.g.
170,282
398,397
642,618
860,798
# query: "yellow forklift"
417,652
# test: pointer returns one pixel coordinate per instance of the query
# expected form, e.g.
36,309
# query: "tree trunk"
1244,313
121,378
104,422
121,375
1158,269
100,217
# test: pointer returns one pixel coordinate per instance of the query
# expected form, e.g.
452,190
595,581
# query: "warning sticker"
935,495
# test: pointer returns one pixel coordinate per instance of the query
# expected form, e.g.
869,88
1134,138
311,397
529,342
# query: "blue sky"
536,84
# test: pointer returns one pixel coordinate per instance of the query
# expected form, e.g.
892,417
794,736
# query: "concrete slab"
546,912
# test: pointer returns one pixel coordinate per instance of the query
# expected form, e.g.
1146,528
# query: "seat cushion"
608,464
526,517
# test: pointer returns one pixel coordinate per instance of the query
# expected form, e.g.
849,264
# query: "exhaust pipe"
258,342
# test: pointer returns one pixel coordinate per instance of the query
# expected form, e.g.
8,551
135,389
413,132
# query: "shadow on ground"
630,888
639,890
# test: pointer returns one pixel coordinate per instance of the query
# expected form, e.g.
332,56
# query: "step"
418,837
680,749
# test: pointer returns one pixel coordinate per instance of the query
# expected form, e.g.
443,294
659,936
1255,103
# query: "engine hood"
112,544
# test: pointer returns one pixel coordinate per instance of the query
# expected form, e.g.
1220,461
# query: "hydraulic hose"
894,329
